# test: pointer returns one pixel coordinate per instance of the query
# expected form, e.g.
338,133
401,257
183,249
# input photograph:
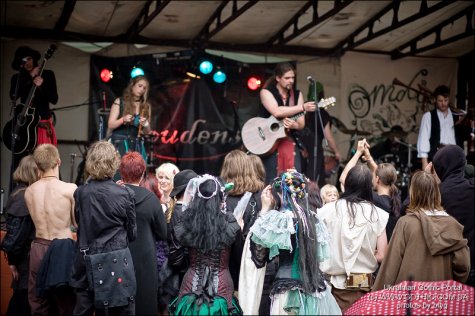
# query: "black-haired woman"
208,231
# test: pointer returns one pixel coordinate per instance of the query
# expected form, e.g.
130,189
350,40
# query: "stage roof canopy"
313,28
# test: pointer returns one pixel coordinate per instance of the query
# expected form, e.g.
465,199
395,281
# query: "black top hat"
22,52
180,181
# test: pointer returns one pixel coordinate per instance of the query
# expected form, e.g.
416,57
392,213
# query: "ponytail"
395,200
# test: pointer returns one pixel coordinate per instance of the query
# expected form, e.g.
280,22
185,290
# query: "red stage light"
106,75
254,83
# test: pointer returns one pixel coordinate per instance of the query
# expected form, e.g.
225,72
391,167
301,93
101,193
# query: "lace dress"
275,232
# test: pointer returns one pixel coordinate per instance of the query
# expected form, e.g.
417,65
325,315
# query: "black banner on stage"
197,120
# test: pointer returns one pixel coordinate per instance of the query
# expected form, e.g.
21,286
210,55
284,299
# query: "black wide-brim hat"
180,181
22,52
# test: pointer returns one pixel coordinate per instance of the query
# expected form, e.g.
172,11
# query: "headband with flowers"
291,185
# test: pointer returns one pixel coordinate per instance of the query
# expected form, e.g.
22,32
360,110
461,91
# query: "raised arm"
370,161
353,161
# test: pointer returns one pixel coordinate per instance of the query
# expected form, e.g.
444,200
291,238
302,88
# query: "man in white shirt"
437,127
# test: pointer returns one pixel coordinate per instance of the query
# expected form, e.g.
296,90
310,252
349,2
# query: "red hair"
150,182
132,167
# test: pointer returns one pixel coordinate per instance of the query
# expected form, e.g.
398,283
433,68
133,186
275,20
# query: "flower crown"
291,183
292,187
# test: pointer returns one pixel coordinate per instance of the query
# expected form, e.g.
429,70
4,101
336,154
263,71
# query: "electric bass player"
31,74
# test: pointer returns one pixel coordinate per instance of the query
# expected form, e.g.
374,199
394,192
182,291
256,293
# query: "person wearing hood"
457,194
427,243
151,226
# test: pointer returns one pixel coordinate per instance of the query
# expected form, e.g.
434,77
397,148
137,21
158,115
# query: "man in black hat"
26,63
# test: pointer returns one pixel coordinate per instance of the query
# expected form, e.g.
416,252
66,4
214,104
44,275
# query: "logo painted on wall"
379,108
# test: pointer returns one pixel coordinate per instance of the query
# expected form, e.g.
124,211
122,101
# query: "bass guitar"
260,135
22,128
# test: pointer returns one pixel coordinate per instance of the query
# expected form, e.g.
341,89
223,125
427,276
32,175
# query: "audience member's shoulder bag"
111,276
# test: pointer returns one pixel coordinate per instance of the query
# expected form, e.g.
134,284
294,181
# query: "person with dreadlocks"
208,231
286,228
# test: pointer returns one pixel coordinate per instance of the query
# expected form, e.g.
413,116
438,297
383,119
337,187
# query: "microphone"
310,79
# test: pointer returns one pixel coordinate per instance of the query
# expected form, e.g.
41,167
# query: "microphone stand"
318,118
13,132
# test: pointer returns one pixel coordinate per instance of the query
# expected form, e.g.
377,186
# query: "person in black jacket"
18,259
105,215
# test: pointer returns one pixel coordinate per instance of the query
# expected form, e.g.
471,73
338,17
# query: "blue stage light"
206,67
219,77
136,72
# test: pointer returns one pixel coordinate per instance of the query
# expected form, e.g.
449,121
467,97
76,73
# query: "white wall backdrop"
369,101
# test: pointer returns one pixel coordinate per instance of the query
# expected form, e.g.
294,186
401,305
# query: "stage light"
106,75
254,83
219,77
136,71
206,67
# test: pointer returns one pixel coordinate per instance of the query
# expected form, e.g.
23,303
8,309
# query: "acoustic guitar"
260,135
25,122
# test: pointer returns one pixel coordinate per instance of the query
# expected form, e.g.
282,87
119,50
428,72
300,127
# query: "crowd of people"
232,244
266,236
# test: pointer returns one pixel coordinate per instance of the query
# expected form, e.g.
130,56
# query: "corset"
208,276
